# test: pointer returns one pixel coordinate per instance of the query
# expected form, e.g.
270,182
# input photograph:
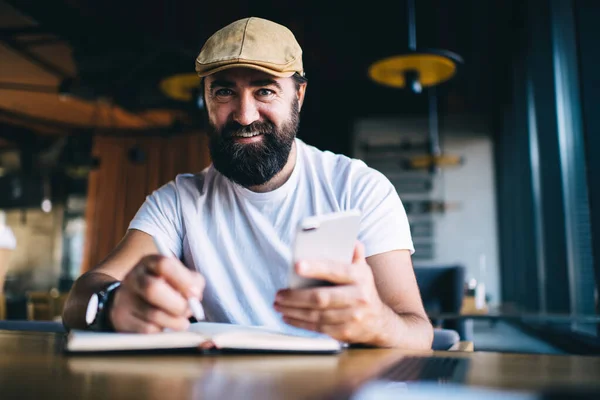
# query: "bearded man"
231,226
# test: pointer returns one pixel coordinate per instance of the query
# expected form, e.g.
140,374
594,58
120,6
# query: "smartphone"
329,236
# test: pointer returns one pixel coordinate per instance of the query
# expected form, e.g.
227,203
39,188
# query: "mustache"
234,128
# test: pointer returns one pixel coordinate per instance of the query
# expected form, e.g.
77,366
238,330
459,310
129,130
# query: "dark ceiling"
123,48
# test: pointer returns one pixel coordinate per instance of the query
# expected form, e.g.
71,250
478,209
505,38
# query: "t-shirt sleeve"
160,217
384,224
7,238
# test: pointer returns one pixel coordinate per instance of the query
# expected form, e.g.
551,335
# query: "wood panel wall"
119,186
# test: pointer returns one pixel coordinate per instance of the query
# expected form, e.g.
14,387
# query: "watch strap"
105,299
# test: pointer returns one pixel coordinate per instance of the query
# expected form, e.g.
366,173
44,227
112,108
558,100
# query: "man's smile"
247,137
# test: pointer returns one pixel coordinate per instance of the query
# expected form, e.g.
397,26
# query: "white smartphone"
329,236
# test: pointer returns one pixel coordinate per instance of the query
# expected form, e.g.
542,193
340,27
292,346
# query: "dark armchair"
442,291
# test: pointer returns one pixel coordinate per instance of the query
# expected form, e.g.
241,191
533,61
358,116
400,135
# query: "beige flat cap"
252,43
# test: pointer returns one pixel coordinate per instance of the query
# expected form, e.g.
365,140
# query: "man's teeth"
246,134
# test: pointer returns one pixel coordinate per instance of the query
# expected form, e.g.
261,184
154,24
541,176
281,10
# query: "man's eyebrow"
265,82
221,83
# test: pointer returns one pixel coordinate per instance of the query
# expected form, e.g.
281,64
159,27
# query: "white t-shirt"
7,238
240,240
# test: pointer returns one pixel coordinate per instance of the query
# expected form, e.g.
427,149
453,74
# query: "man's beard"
253,164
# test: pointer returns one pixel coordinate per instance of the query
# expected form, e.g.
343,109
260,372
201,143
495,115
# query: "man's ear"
300,94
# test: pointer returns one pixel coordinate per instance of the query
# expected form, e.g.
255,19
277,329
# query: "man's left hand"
351,311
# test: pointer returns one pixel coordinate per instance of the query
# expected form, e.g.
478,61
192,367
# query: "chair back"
442,288
45,306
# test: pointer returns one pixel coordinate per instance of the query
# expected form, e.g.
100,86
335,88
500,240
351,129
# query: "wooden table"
31,367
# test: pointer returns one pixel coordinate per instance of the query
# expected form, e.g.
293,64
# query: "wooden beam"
34,58
28,87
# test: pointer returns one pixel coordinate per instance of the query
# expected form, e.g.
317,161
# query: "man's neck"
281,177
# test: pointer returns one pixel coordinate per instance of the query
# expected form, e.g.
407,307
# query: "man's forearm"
409,331
76,305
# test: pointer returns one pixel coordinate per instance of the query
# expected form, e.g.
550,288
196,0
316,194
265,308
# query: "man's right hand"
153,296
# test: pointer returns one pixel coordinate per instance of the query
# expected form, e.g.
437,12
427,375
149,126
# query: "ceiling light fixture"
415,70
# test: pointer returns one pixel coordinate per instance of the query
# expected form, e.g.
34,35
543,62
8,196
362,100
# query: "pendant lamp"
415,70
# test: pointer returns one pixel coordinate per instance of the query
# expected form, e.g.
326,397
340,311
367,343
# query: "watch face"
92,309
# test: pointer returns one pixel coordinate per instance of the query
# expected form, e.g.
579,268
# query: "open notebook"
202,335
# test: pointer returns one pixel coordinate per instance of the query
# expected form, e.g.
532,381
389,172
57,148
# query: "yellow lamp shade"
431,68
180,87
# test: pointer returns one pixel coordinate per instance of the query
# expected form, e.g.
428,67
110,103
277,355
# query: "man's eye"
265,92
223,92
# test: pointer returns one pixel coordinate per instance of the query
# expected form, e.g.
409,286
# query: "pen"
194,303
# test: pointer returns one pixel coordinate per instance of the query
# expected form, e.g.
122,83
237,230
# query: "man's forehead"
244,75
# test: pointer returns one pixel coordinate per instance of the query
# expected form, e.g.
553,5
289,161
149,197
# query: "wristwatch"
96,315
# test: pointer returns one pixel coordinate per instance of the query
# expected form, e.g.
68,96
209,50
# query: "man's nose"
247,111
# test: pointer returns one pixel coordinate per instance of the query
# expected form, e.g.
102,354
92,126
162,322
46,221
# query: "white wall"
466,234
